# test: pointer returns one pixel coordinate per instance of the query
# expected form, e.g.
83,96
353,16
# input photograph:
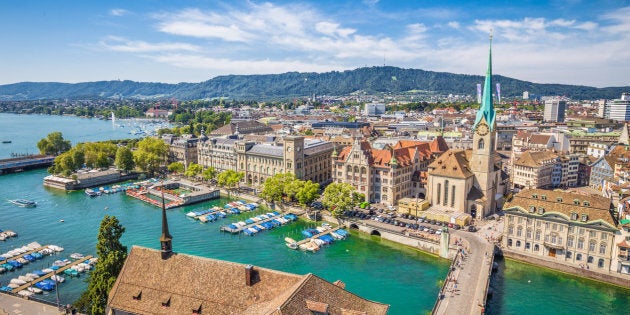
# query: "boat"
35,290
71,272
58,278
6,141
291,243
76,256
23,203
25,293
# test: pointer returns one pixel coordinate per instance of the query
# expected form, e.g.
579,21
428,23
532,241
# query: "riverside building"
564,227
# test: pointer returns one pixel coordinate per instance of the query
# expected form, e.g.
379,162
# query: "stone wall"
616,279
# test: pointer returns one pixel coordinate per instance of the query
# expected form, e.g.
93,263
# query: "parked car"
472,228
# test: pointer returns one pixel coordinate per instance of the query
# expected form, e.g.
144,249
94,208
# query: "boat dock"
3,261
239,229
306,240
48,275
22,163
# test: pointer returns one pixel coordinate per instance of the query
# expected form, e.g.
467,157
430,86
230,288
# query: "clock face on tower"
482,129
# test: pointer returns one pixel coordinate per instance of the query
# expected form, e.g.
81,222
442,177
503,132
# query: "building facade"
618,109
566,227
554,110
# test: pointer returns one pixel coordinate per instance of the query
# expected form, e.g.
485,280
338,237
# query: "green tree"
307,193
53,144
193,170
111,257
209,173
124,159
151,153
338,197
229,179
176,167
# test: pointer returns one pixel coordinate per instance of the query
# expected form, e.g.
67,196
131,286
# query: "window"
578,257
532,209
592,234
510,218
520,220
576,202
580,243
541,210
527,246
586,203
590,259
439,192
604,236
536,247
529,233
537,235
559,199
510,230
554,226
480,144
452,196
574,216
568,255
591,246
445,193
535,196
554,238
518,243
602,248
584,217
543,197
509,242
600,263
519,231
570,241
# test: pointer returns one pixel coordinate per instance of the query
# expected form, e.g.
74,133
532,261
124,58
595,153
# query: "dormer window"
532,209
584,217
166,301
196,310
574,216
541,210
543,197
137,295
559,199
576,202
535,196
586,203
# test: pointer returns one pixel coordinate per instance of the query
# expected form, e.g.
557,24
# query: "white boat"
23,203
336,236
25,293
291,243
47,270
58,278
191,214
35,290
56,248
13,285
76,256
17,281
318,242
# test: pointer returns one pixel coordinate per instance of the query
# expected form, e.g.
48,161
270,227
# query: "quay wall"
609,277
89,182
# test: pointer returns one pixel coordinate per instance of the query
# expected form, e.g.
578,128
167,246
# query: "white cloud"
118,12
124,45
454,24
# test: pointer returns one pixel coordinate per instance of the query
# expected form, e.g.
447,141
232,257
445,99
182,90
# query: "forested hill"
294,84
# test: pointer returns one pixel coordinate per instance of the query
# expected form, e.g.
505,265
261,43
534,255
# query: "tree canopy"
229,179
339,197
150,155
193,170
285,185
124,159
53,144
111,257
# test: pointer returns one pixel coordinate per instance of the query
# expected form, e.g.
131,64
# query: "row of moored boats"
7,234
256,224
217,213
106,190
317,237
21,259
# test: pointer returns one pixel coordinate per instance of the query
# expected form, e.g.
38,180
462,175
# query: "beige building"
570,228
181,149
389,174
533,169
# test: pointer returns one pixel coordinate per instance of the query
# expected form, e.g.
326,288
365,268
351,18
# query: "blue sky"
573,42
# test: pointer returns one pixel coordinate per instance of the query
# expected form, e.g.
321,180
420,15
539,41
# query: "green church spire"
486,110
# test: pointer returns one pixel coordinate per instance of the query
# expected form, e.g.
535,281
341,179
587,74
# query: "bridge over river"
28,162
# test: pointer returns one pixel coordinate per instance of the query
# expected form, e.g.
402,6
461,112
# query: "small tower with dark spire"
393,162
166,245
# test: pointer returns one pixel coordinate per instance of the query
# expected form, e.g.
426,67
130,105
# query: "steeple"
166,246
486,110
334,152
393,162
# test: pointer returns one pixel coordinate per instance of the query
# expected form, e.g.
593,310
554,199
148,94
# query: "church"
471,181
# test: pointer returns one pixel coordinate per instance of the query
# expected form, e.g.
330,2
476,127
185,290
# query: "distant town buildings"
618,109
554,110
374,109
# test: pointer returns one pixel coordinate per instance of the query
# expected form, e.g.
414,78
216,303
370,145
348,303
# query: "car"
472,228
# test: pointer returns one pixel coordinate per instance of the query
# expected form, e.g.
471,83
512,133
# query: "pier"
48,275
466,286
24,254
22,163
241,228
306,240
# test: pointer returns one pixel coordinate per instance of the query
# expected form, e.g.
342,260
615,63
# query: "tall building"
470,181
618,109
554,110
374,109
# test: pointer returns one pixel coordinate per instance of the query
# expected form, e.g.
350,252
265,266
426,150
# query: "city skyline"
568,42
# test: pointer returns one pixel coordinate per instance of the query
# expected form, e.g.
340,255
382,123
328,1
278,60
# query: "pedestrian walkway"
10,304
466,288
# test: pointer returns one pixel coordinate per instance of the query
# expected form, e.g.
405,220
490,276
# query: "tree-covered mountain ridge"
370,80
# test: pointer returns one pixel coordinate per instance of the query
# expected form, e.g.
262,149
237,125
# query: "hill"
295,84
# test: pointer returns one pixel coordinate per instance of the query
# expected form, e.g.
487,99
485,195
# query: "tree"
111,257
338,197
124,159
229,179
53,144
151,153
308,193
193,170
176,167
209,173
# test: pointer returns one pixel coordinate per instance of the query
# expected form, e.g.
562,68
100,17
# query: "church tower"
166,246
484,139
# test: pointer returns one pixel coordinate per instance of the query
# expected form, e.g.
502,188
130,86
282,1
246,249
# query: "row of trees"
286,187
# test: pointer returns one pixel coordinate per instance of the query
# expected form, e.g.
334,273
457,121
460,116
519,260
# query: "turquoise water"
379,270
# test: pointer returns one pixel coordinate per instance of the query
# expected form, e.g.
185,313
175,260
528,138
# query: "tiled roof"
564,203
452,163
534,158
266,149
404,151
244,127
539,139
438,145
148,284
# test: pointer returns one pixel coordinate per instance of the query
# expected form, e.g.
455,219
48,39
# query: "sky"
570,42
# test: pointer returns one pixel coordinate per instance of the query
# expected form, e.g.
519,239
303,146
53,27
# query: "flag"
499,92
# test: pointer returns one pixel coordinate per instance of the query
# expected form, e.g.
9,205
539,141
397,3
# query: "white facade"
618,109
374,109
554,110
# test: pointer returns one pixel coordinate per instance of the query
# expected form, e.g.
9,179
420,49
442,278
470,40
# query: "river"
373,268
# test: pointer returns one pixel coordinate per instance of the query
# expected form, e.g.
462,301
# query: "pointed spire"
486,110
624,138
393,162
166,246
334,152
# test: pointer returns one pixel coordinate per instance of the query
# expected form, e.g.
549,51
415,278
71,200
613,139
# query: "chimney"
249,272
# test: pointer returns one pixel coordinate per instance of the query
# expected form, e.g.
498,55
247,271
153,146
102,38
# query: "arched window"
590,259
518,243
600,263
509,242
578,257
536,247
480,144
